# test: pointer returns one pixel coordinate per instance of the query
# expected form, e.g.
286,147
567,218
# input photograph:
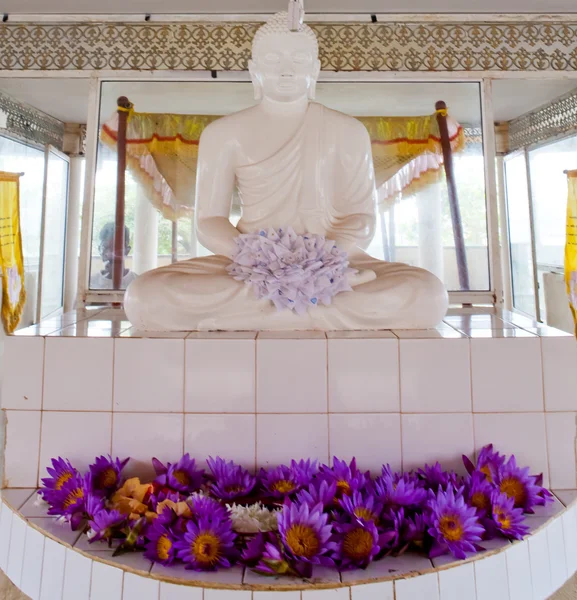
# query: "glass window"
519,220
549,193
414,225
52,290
18,157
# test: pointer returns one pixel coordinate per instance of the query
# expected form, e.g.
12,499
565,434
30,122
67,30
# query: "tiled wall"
398,397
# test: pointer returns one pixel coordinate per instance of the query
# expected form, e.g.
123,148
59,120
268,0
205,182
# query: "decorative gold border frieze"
388,46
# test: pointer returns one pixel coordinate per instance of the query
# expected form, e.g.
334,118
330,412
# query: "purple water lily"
60,472
306,534
182,476
160,547
507,518
347,476
394,489
489,463
230,481
478,493
453,525
284,480
320,491
516,483
207,544
105,524
358,543
362,506
106,473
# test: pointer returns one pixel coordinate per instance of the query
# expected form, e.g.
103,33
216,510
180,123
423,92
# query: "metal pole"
118,259
460,251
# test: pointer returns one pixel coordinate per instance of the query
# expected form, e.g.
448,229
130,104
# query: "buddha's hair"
278,24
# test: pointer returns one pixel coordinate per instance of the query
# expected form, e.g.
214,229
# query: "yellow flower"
131,498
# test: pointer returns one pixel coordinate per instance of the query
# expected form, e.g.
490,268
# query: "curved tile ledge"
47,560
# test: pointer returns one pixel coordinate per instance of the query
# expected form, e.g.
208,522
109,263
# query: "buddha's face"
285,67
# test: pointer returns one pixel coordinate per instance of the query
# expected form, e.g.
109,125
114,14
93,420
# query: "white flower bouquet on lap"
293,271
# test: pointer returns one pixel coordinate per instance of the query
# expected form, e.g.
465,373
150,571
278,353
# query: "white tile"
77,576
78,436
144,436
396,566
438,333
16,555
53,571
171,591
491,578
567,497
220,376
540,566
561,436
23,370
441,437
335,594
363,375
291,375
21,449
372,591
106,582
148,375
32,564
570,539
559,367
59,531
215,594
280,438
230,436
458,583
139,588
423,586
507,375
292,335
275,596
5,530
519,571
224,577
373,439
557,560
17,497
78,374
521,434
435,376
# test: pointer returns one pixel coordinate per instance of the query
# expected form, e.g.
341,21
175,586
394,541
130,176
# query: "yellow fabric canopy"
11,259
162,151
571,245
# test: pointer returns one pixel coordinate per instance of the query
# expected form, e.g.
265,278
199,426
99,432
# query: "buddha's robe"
321,181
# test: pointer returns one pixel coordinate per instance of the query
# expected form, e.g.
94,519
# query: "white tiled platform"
47,560
83,384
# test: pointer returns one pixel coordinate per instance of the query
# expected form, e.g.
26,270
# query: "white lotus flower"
253,518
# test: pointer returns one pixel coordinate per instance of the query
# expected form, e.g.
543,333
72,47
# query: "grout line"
329,448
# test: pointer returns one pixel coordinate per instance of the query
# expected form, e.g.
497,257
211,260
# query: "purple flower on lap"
181,476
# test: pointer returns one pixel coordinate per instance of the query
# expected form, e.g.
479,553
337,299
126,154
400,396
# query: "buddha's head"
285,64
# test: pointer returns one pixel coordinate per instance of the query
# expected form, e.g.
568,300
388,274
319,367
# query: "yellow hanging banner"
571,245
11,259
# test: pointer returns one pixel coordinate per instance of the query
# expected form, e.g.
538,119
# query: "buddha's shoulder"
234,122
343,123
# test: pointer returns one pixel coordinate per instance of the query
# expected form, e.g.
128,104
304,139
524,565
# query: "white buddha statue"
295,164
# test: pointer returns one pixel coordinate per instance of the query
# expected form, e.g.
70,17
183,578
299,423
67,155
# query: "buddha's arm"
214,191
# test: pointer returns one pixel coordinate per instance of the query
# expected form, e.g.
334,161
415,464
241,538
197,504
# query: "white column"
430,224
144,238
75,193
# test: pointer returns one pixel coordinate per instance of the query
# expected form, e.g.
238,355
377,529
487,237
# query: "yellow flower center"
514,489
62,480
480,500
302,540
163,547
73,497
234,489
451,528
343,488
206,549
364,513
487,472
358,543
503,519
182,477
284,486
108,478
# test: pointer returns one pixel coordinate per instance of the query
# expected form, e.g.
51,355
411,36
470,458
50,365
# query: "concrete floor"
9,592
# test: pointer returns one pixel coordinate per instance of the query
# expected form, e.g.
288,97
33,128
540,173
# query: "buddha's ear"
315,75
256,81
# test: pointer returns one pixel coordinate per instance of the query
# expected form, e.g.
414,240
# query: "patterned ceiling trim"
552,120
411,47
26,123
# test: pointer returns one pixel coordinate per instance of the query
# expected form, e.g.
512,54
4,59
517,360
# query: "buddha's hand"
362,276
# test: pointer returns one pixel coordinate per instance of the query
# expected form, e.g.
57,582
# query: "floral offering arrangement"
293,271
287,519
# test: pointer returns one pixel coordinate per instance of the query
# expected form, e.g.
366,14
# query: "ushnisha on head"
285,63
